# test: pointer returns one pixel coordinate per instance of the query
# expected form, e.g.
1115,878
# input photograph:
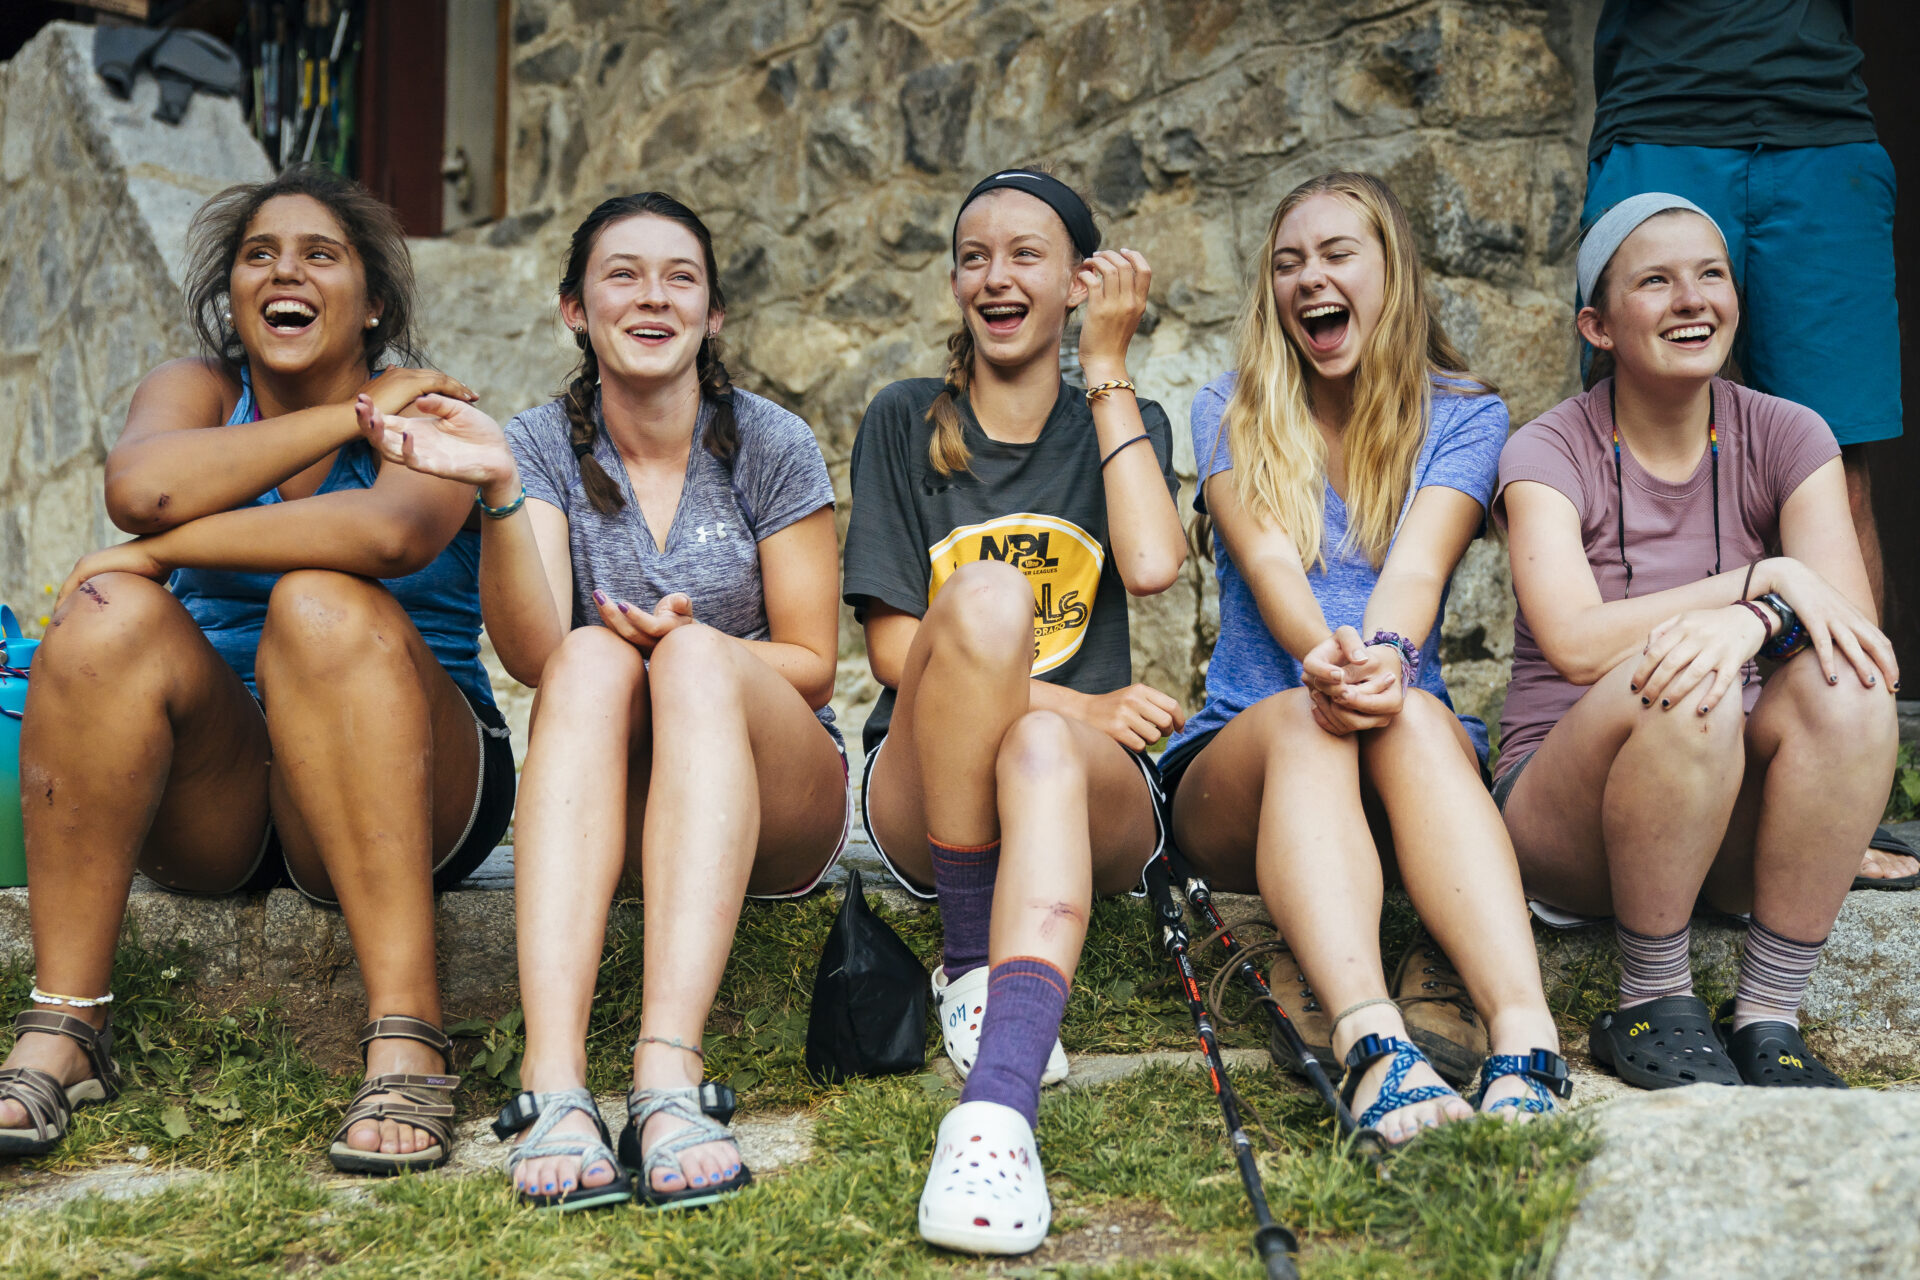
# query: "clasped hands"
1353,685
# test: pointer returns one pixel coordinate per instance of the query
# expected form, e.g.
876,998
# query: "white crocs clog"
986,1191
963,1009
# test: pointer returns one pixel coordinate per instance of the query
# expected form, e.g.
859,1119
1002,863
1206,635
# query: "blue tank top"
443,599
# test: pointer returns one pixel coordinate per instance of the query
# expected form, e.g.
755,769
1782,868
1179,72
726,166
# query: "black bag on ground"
869,1014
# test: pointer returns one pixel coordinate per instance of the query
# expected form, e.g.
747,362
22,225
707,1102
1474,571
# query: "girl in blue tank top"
306,704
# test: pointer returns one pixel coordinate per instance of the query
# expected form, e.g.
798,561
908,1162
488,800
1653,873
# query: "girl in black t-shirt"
997,517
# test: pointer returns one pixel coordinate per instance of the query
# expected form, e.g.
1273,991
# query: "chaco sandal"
1544,1072
1371,1049
1661,1044
705,1109
541,1112
422,1102
49,1104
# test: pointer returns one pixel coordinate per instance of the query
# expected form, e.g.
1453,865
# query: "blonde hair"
1279,456
947,451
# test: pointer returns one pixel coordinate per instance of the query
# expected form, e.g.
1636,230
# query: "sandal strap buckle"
522,1110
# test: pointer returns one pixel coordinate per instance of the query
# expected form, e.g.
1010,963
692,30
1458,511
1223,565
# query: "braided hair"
723,433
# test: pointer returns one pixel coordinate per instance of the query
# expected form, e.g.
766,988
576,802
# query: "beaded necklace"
1619,490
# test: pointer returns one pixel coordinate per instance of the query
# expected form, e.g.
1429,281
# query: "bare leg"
1820,760
742,744
1458,867
139,743
1853,460
1623,808
1275,801
362,811
1077,819
966,678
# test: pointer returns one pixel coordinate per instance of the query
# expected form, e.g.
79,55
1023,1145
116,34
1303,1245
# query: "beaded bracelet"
1793,636
1409,656
72,1002
501,513
1101,390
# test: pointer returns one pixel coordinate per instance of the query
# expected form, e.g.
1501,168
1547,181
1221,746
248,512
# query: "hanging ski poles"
1274,1244
1200,898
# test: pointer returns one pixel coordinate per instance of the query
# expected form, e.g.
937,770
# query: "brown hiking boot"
1302,1007
1439,1014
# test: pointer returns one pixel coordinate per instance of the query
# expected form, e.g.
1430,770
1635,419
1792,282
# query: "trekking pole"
1200,898
1273,1243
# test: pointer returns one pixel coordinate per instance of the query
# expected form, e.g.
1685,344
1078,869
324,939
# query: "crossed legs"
707,777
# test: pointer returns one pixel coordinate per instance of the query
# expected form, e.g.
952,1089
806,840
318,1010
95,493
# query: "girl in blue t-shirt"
1346,464
306,704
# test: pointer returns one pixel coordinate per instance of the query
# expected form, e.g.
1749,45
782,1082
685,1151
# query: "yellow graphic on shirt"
1061,560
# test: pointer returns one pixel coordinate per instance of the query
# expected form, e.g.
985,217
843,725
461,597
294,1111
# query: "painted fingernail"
1873,680
1664,704
1646,702
1632,688
1703,708
623,607
599,597
1833,679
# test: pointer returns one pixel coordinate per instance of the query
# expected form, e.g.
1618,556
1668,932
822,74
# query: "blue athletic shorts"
1811,234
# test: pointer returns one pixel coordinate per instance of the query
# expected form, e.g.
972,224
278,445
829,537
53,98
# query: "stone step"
1869,976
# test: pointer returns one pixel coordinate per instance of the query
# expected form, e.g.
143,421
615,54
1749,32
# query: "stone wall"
828,143
95,197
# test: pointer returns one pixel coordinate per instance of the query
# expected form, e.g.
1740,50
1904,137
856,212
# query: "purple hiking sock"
963,876
1026,997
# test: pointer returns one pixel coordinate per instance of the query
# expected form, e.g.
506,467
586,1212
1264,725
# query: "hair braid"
723,433
602,492
947,450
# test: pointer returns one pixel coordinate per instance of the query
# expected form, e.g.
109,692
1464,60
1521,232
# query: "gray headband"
1604,238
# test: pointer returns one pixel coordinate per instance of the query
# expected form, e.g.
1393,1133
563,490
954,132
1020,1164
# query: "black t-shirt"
1040,507
1728,73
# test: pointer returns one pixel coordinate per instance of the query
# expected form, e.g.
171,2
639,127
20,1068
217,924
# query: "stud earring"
226,316
581,332
373,322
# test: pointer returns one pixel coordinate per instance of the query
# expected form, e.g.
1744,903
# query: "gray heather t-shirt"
712,552
1040,507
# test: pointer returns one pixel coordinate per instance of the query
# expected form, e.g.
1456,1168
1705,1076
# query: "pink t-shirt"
1767,447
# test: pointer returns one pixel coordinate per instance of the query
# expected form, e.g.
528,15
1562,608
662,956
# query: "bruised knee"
321,625
984,614
108,625
1041,747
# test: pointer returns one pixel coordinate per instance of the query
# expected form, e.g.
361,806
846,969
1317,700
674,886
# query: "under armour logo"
719,530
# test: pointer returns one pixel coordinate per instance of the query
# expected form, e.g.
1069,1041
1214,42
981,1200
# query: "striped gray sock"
1774,973
1652,967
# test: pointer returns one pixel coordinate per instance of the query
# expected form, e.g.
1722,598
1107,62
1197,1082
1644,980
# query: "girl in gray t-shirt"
1668,527
658,560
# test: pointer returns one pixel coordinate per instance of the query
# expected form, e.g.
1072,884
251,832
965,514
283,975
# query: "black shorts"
487,821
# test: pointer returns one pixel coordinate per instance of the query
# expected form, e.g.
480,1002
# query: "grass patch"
1482,1199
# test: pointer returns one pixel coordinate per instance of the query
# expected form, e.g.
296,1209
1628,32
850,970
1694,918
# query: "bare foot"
56,1055
659,1066
1403,1123
1879,865
391,1137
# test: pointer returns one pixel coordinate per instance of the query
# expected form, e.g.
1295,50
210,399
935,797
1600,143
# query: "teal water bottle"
16,652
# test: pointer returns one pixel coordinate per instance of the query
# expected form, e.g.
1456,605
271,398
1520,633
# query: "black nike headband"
1042,186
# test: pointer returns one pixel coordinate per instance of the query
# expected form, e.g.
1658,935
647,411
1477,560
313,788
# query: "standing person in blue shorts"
1756,111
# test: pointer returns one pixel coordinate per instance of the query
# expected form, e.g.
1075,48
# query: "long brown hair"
1279,456
723,433
947,451
372,229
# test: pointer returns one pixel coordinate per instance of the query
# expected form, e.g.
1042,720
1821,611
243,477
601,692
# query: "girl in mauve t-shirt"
1351,473
658,559
1668,527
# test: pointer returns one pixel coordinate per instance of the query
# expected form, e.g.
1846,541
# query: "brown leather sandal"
423,1102
50,1105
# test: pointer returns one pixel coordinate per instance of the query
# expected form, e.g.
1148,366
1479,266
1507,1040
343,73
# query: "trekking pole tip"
1276,1245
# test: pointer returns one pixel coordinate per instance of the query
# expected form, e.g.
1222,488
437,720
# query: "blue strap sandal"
1544,1072
1369,1050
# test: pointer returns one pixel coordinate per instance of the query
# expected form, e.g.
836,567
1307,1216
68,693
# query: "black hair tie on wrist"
1042,186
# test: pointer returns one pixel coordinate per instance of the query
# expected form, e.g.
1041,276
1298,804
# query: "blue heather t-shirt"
1462,451
443,599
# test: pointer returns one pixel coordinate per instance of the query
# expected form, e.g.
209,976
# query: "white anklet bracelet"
73,1002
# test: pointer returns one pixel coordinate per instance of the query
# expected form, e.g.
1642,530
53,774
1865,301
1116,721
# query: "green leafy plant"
1904,804
502,1044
